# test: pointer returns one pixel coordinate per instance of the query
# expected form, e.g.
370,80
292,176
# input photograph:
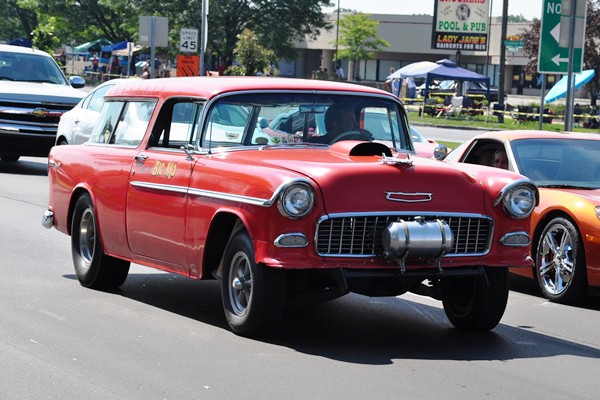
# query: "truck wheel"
477,304
253,295
560,263
94,269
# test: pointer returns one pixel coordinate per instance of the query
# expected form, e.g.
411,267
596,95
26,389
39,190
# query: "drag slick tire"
478,303
94,269
253,295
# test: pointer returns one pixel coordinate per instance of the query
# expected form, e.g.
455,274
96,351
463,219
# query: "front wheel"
560,262
477,304
94,269
253,295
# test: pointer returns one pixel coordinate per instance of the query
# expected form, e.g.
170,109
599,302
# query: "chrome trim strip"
160,186
220,195
231,197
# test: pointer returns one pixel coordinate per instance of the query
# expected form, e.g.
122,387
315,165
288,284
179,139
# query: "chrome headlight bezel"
519,198
296,200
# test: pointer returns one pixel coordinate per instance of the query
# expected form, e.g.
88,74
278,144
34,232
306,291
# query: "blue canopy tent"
440,70
106,51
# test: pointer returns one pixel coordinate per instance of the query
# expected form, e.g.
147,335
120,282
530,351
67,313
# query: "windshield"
30,68
293,118
559,162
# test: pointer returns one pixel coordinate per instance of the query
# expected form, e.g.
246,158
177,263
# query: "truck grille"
360,235
22,115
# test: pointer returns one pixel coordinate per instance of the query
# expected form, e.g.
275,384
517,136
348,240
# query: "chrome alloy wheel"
240,283
555,260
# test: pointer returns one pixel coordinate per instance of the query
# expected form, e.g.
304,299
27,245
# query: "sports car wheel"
94,269
253,295
560,262
477,304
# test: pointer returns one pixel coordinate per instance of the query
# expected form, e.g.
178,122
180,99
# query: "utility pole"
502,61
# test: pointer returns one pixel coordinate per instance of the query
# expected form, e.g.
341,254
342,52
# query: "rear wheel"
253,295
478,304
560,262
94,269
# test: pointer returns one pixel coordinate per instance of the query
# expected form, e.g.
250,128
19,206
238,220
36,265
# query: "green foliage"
252,56
43,35
516,18
358,37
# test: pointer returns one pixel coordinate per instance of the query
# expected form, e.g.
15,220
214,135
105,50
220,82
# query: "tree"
358,38
252,56
277,24
591,52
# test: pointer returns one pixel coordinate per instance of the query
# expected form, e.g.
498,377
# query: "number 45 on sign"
188,40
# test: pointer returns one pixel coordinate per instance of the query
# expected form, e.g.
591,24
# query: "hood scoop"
355,148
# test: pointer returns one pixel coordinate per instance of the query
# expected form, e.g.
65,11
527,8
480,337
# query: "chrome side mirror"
440,152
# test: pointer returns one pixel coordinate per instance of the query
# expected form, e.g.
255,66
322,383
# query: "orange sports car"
565,226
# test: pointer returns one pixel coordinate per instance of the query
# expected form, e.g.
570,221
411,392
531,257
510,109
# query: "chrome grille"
360,236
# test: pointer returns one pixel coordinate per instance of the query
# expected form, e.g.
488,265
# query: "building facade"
410,41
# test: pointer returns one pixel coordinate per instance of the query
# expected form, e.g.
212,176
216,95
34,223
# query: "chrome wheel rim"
87,238
555,260
240,283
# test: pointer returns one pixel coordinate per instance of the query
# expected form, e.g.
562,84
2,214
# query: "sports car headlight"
519,198
296,200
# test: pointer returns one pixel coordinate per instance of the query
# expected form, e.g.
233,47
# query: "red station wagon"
191,176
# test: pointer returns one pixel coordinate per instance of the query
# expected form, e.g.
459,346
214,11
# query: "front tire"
94,269
478,304
253,295
560,262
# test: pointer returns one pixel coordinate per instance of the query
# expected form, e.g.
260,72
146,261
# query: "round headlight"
296,201
520,200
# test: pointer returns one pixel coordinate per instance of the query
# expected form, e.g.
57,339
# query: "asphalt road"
165,337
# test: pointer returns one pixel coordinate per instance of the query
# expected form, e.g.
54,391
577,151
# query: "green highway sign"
553,56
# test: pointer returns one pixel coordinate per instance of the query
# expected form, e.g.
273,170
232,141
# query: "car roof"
209,87
23,50
535,134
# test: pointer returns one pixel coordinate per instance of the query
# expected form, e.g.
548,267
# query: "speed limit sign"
188,40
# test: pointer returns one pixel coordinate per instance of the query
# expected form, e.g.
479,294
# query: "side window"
226,125
177,123
133,123
109,115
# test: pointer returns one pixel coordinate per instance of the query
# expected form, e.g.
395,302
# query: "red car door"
156,208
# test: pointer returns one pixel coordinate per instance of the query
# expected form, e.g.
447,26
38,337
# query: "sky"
528,8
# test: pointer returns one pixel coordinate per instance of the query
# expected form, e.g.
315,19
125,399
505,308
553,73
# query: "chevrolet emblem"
40,112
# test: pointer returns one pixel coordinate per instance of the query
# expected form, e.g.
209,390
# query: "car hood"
351,182
39,92
592,195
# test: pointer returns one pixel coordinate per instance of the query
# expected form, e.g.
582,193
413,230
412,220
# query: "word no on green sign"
554,58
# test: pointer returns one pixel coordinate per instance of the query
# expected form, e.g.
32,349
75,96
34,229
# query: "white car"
76,125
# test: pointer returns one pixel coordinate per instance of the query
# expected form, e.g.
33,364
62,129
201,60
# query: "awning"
115,46
91,47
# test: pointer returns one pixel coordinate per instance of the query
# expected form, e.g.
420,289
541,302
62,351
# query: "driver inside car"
341,124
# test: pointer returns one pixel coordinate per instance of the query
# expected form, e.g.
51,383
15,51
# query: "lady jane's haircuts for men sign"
460,25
